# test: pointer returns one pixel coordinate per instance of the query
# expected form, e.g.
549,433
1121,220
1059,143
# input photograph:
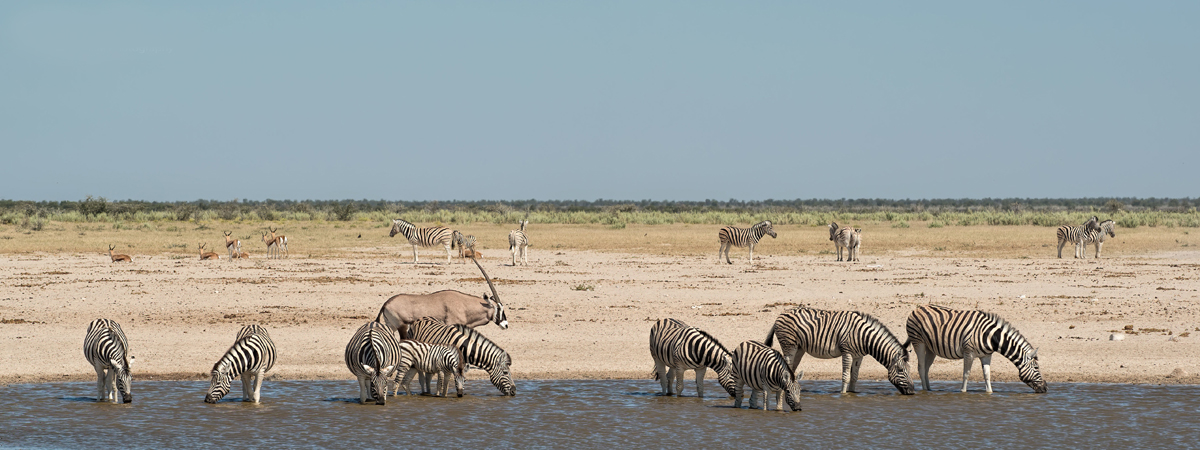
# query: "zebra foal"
424,237
476,350
677,348
1077,235
850,335
730,237
427,359
107,350
372,355
957,334
518,241
764,370
250,357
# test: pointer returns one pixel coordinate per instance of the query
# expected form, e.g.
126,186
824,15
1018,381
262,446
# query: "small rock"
1178,373
1128,327
1116,337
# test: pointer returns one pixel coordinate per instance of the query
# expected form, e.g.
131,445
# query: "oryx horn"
495,295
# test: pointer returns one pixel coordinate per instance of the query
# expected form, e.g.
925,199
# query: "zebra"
848,334
424,237
742,237
519,241
427,359
372,355
677,348
855,242
476,349
845,237
1077,235
251,356
463,242
107,350
958,334
1107,230
764,370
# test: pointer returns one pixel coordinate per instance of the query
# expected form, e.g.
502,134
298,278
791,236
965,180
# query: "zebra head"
1108,226
725,376
767,228
401,226
792,392
124,383
501,377
219,386
898,374
833,229
379,382
1029,371
1092,224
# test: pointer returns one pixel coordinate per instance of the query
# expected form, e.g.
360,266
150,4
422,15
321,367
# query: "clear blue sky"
682,100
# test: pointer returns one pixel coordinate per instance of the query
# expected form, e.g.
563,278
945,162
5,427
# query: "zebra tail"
770,336
655,374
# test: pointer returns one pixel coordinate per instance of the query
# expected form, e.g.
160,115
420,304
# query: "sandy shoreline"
181,314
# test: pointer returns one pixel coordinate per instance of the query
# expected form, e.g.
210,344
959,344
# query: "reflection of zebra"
956,334
764,370
424,237
848,334
742,237
107,349
677,348
463,242
1107,230
427,359
372,355
518,241
477,350
250,357
1077,235
844,237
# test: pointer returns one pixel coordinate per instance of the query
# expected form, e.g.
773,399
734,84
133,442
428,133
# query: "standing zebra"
1077,235
476,349
424,237
742,237
677,348
519,241
848,334
372,355
250,357
845,237
764,370
1107,230
463,242
855,242
107,349
957,334
428,359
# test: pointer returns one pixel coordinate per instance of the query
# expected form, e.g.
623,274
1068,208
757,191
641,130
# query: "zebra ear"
369,369
388,370
1034,355
799,376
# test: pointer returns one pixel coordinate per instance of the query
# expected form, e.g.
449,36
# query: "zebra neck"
1008,342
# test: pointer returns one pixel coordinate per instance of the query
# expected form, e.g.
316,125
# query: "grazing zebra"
844,237
464,243
1077,235
677,348
742,237
476,349
519,241
427,359
250,357
850,335
1107,230
372,355
764,370
107,349
424,237
957,334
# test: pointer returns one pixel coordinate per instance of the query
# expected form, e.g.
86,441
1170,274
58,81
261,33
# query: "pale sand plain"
586,314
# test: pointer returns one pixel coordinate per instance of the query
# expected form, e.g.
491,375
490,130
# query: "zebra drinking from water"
107,350
372,355
677,348
742,237
476,349
850,335
427,359
1107,230
518,241
764,370
957,334
250,357
1077,235
424,237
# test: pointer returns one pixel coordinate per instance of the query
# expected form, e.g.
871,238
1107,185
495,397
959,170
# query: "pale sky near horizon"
584,100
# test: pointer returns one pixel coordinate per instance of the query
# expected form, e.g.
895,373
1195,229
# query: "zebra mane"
714,340
1008,330
878,325
405,222
476,336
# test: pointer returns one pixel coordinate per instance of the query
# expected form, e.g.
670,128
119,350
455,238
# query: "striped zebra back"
1073,234
764,369
477,350
840,235
424,237
424,357
107,349
951,333
517,238
744,237
684,347
830,334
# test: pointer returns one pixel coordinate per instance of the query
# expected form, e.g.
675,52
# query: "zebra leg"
660,370
447,254
678,382
441,390
408,376
779,400
247,386
738,391
752,263
258,379
414,253
754,393
1061,243
363,391
700,381
425,379
967,359
924,360
986,362
854,372
101,383
847,362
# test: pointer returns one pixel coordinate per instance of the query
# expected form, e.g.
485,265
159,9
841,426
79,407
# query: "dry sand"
181,314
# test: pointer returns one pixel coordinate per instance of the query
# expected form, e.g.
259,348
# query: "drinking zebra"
677,348
844,237
463,243
250,357
1077,235
1107,230
424,237
476,349
742,237
372,355
426,359
850,335
518,241
957,334
107,350
764,370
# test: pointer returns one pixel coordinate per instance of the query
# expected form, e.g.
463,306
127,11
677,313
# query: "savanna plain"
583,306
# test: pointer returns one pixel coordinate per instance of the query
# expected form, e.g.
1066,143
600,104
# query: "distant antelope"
472,253
275,243
241,255
208,255
118,258
232,244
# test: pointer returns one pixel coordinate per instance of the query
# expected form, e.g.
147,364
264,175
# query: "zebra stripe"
1107,230
476,349
677,348
426,359
518,241
1077,235
107,350
250,357
372,355
742,237
850,335
845,237
424,237
764,370
958,334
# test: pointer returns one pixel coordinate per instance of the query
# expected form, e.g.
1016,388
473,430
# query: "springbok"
241,255
118,258
449,307
232,244
275,244
208,255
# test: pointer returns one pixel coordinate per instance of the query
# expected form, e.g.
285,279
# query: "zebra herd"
518,241
1091,232
933,331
